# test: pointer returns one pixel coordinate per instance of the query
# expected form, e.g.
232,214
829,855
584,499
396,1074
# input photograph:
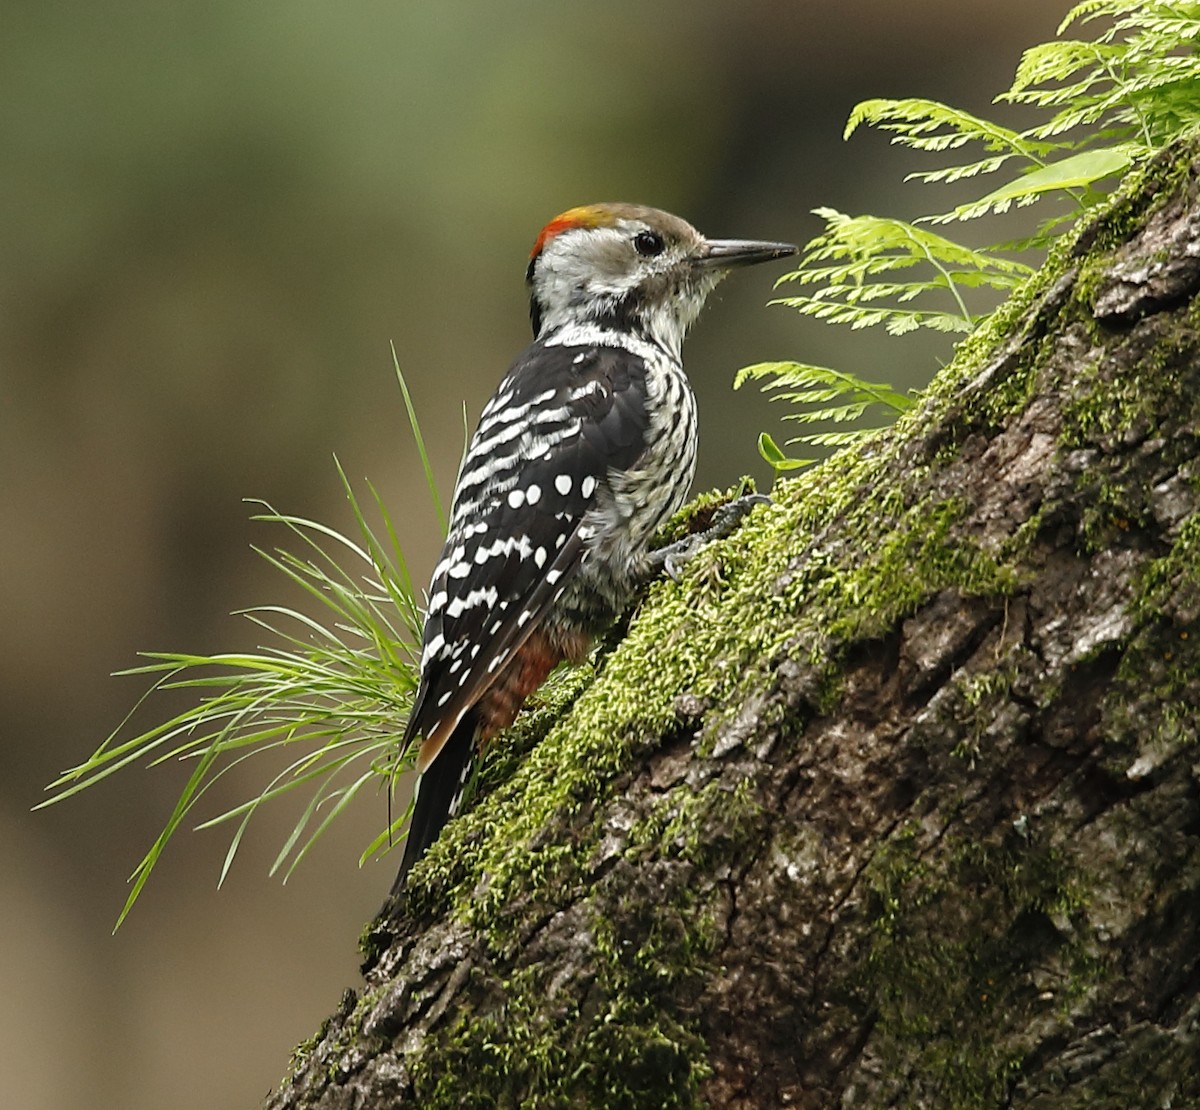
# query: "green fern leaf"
853,262
778,459
1080,171
820,394
931,125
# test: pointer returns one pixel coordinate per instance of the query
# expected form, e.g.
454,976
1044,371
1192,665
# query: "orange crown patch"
588,215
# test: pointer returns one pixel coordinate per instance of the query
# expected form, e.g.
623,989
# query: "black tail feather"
438,792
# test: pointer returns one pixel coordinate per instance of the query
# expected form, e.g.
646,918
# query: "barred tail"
438,795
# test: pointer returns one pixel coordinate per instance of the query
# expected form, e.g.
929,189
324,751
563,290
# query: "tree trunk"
894,800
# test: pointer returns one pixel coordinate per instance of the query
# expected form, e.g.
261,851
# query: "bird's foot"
675,556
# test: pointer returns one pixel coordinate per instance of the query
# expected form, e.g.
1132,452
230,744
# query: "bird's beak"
727,254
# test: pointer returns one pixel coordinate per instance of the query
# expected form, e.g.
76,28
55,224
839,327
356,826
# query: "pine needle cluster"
325,702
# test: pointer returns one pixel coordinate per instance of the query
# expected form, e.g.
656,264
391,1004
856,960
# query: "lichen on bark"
893,801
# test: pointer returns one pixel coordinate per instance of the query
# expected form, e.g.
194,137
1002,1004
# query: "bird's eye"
648,243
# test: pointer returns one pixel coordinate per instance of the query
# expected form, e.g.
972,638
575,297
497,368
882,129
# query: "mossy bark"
895,800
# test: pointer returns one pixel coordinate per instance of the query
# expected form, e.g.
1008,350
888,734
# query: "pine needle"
331,688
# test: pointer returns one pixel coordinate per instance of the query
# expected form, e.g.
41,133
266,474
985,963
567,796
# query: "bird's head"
633,268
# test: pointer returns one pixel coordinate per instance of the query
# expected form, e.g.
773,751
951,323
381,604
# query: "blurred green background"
215,218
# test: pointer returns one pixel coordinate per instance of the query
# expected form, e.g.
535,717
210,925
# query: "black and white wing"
560,423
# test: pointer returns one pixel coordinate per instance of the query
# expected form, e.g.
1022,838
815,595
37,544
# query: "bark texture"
894,801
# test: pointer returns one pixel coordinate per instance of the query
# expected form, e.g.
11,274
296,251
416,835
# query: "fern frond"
1056,62
1108,102
933,126
1077,174
1139,77
947,175
854,263
801,383
819,395
834,439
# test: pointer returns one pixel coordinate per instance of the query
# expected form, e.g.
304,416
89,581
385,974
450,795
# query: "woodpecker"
586,447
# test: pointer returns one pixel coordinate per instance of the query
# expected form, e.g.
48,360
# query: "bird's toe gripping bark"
675,556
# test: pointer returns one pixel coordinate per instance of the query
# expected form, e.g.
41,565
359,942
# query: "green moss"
713,636
350,1041
981,695
1107,407
1154,703
697,826
802,576
696,514
618,1043
540,713
949,975
625,1057
847,551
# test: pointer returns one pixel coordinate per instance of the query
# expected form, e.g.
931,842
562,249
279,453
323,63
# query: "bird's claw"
673,558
